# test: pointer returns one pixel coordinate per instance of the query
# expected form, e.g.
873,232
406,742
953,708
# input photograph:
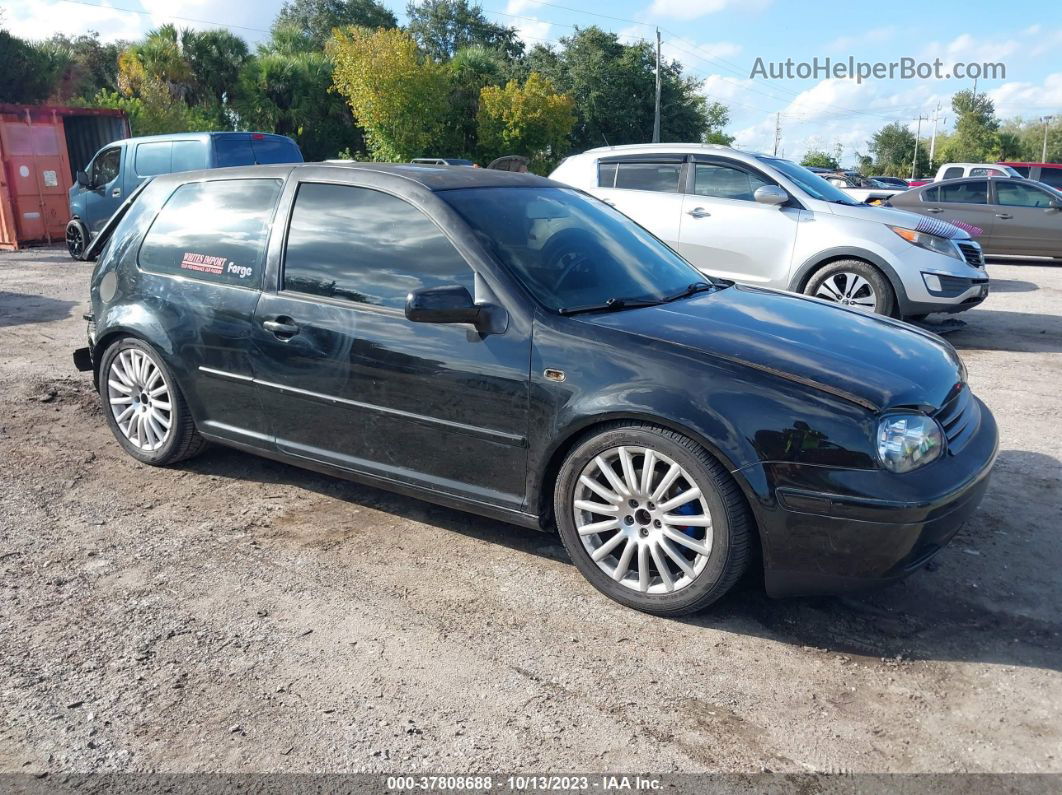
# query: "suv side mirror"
82,179
453,303
770,194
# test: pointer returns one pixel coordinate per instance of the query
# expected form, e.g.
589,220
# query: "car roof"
194,136
676,146
434,178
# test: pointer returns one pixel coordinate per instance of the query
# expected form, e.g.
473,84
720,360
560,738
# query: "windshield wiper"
611,305
696,287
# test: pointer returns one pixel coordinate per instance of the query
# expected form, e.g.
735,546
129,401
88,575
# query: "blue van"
120,166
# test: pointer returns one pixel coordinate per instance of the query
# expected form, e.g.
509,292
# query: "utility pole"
1046,120
777,131
933,139
914,161
656,115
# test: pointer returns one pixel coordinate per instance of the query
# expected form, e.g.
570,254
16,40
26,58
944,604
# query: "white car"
957,170
767,221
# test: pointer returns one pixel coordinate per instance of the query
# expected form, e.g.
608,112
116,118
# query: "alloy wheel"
643,520
75,241
140,399
849,289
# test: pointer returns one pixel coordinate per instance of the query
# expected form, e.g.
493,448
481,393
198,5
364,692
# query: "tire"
834,282
77,239
723,532
131,370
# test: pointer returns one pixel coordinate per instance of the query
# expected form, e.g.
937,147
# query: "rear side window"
606,175
660,177
213,231
152,159
188,156
953,173
232,150
1052,177
726,182
1023,170
366,246
275,150
965,192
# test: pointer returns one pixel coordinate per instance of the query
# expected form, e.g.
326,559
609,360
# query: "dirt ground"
242,615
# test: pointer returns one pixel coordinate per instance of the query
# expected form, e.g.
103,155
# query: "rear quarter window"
152,159
213,231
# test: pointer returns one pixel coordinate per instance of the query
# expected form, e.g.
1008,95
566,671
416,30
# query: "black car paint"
784,390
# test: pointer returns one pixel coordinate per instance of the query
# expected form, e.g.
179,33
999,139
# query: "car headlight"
909,441
941,245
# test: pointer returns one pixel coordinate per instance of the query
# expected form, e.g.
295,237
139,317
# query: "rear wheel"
853,283
652,520
144,407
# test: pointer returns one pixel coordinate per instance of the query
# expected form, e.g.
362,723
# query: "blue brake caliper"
688,510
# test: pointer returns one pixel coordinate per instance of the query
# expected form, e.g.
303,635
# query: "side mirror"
770,194
453,304
82,179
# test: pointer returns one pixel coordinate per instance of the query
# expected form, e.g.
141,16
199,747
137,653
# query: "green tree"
29,73
893,150
976,137
216,58
153,111
286,88
317,18
89,66
816,158
530,119
398,96
443,27
614,91
471,70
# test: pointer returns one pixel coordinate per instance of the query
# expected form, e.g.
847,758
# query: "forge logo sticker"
216,266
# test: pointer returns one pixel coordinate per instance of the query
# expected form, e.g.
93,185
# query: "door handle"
934,210
1004,216
116,192
698,212
283,328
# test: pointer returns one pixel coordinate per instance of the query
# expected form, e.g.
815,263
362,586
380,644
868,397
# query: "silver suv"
767,221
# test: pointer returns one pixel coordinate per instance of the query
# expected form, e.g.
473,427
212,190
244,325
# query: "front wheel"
652,520
76,239
853,283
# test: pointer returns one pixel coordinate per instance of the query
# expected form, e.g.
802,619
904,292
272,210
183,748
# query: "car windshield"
812,184
572,251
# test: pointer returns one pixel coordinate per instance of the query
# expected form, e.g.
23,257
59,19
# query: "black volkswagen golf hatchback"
503,344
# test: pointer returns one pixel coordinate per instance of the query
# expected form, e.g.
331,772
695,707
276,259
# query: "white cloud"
531,29
32,19
693,9
1030,100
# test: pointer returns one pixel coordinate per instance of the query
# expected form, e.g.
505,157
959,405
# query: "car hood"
867,359
883,215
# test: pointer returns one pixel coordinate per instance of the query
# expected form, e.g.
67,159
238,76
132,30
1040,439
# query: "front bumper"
960,285
833,530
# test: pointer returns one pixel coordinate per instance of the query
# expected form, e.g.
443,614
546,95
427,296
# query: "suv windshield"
812,184
572,251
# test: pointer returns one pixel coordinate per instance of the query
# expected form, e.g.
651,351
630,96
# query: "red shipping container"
41,148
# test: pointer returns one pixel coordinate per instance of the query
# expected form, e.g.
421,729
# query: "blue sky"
718,41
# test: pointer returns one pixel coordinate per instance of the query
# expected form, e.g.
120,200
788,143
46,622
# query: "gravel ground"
242,615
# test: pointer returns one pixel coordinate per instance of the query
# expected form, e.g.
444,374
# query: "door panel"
105,174
649,193
966,202
725,232
349,381
1025,221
